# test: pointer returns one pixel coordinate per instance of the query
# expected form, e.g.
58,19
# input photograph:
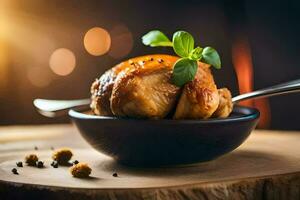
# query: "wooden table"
266,166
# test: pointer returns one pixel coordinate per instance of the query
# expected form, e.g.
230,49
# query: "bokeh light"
97,41
122,41
41,49
38,76
62,61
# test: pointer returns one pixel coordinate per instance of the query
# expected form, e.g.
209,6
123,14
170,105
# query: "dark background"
270,30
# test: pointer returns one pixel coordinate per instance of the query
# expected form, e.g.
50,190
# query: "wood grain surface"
266,166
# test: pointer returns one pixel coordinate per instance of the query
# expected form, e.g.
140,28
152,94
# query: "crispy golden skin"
141,87
145,90
102,88
101,92
225,104
199,98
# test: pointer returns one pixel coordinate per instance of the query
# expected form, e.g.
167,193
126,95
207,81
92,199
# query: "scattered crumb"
36,148
62,156
81,170
31,159
52,148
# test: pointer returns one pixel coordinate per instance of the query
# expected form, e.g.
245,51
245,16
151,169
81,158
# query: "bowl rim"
247,114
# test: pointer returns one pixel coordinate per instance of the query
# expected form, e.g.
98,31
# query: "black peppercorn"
115,174
19,164
151,59
14,171
40,164
75,162
54,164
160,60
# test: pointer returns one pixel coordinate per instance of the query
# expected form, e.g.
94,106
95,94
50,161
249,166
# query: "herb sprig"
185,68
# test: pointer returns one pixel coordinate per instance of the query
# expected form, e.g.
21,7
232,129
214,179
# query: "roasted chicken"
141,87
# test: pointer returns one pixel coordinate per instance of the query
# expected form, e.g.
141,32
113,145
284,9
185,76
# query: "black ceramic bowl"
138,142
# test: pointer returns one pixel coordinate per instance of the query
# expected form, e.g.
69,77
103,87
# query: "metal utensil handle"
284,88
53,108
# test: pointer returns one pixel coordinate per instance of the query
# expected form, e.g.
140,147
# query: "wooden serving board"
267,166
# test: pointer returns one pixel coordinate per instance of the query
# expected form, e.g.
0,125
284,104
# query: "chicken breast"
101,88
200,97
139,87
145,90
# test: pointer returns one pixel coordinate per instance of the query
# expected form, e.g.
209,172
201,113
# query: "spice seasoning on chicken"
160,60
80,170
31,159
62,156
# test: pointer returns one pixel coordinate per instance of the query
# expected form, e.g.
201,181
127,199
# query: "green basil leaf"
183,43
211,56
196,54
156,38
184,71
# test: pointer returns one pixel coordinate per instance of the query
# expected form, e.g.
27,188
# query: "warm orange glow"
242,61
62,61
97,41
241,57
122,42
3,50
3,65
38,77
4,25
